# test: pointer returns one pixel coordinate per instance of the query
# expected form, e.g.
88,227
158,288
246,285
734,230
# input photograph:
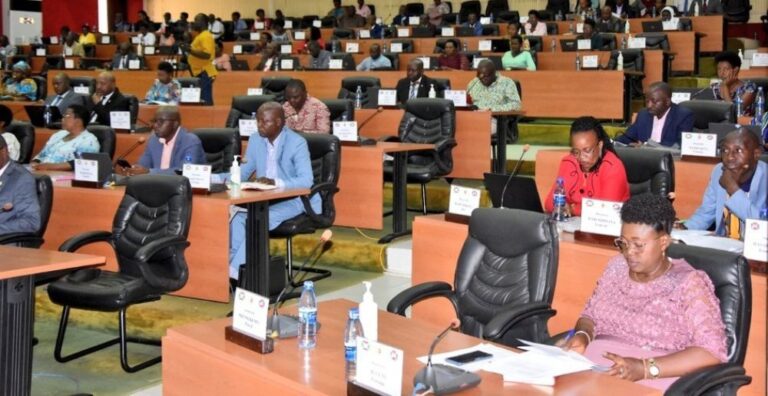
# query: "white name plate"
584,44
286,64
352,48
255,91
396,48
317,23
484,45
589,62
379,367
403,32
286,49
336,64
120,120
680,97
760,59
459,97
69,63
426,61
40,52
446,32
463,200
250,314
699,144
414,20
387,97
476,61
86,170
259,25
601,217
237,49
82,90
300,36
134,64
248,127
346,131
199,175
636,42
364,34
190,95
255,35
756,240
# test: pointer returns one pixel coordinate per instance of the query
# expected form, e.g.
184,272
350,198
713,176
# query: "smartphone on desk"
469,357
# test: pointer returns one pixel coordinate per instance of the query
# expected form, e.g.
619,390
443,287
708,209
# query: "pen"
570,334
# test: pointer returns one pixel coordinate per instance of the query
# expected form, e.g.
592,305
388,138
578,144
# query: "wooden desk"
653,66
197,360
691,180
712,26
208,255
436,247
18,267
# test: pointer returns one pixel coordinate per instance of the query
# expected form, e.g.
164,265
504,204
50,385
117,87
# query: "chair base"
123,340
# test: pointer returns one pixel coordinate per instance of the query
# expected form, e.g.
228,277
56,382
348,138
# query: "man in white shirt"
375,61
436,11
146,38
534,26
215,26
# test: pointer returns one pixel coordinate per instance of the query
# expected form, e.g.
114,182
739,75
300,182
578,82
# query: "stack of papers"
257,186
707,239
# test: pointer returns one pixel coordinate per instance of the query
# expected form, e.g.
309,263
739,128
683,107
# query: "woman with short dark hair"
451,58
6,117
731,87
165,89
65,145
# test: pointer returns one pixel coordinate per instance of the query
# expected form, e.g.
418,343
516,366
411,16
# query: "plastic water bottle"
759,106
354,329
188,159
47,114
623,42
578,63
253,115
554,45
308,317
738,103
764,213
620,61
358,98
385,48
559,212
464,47
432,93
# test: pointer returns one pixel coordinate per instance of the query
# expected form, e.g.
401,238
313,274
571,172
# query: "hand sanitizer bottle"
432,93
234,172
369,314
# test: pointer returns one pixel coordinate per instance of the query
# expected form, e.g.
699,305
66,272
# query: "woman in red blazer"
592,169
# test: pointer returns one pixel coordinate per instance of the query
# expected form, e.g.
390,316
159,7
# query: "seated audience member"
222,61
146,37
661,121
516,58
279,34
289,167
168,148
651,318
416,84
584,9
492,91
304,113
71,47
737,189
279,14
424,23
167,39
375,61
590,33
473,24
350,20
65,96
182,25
534,26
165,89
709,7
262,18
621,10
123,57
19,207
215,26
167,24
63,146
63,33
363,10
337,11
7,50
19,86
238,23
11,143
436,11
728,65
378,30
649,8
270,58
592,169
514,29
120,24
261,46
608,23
315,35
319,58
143,19
401,19
87,38
106,99
451,58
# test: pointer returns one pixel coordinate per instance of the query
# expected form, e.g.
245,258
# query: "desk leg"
257,249
502,129
17,320
399,199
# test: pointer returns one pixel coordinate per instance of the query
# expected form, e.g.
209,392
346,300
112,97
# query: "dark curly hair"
649,209
591,124
728,56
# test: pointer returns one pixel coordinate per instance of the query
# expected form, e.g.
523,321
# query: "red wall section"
132,8
73,13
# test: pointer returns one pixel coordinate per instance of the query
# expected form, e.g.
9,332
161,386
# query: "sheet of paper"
499,354
707,239
256,186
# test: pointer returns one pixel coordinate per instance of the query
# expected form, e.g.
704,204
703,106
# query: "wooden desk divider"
699,159
456,218
254,344
86,184
594,239
355,389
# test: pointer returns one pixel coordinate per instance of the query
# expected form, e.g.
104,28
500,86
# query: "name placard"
336,64
237,49
82,90
54,39
136,40
190,95
134,64
387,97
579,28
403,32
584,44
756,240
86,170
69,63
601,217
396,47
300,36
485,20
40,52
199,175
120,120
149,50
346,131
250,312
760,59
259,25
255,36
670,24
255,91
680,97
352,48
286,64
414,20
446,32
589,61
484,45
285,49
365,34
463,200
476,61
636,42
288,24
248,127
67,51
105,39
317,23
379,367
426,61
699,144
459,97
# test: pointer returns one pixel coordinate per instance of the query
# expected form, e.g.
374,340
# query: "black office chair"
707,111
421,32
406,43
340,109
83,81
42,87
45,200
220,146
343,33
325,154
440,45
441,84
106,137
239,64
496,7
730,275
110,39
535,43
552,28
648,171
469,7
245,107
306,21
685,24
347,61
328,21
465,31
275,86
189,82
609,41
295,65
149,235
394,59
507,17
430,121
414,9
503,288
633,61
25,134
737,11
491,30
349,87
655,41
133,108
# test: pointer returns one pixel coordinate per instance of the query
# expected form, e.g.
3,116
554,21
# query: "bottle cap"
354,313
367,296
309,285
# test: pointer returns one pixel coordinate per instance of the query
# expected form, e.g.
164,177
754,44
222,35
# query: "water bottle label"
308,316
559,200
350,352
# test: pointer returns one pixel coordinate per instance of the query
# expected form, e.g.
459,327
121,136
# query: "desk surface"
15,261
198,360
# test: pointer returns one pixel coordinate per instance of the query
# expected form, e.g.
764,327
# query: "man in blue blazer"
19,208
277,156
737,189
169,147
661,116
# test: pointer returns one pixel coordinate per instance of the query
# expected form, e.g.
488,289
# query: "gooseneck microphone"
378,111
442,379
513,174
138,143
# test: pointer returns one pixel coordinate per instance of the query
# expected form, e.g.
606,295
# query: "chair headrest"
157,190
493,226
428,108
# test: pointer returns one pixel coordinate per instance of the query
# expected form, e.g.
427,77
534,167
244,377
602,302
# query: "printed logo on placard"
755,226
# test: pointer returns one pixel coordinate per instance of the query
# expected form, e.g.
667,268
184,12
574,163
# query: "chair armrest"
146,252
440,147
500,323
394,139
414,294
23,238
321,187
86,238
703,380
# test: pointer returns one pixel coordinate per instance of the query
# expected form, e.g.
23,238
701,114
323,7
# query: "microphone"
284,326
695,94
513,174
443,379
138,143
378,111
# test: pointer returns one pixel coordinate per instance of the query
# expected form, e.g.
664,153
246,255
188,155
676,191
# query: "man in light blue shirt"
375,61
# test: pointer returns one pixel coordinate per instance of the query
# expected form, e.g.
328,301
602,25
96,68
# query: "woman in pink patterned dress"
651,318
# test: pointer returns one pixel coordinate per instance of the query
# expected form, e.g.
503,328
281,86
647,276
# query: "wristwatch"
653,369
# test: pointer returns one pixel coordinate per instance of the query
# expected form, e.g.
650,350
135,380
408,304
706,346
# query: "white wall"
23,26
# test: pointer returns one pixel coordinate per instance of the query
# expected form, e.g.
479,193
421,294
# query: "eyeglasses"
67,115
588,152
625,245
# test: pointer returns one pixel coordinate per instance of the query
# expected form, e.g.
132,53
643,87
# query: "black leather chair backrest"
133,107
83,81
306,21
737,11
708,111
328,21
507,17
343,33
245,107
275,86
685,24
496,7
470,7
25,134
239,65
407,45
421,32
45,200
347,61
394,59
153,207
441,84
349,87
372,7
730,275
106,137
465,31
339,108
552,28
648,171
535,43
42,87
633,59
655,41
546,15
609,41
189,82
325,154
414,9
429,121
220,146
440,45
493,272
491,30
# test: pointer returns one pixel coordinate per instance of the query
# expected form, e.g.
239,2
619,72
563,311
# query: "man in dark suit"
124,55
107,98
661,121
416,84
706,7
622,10
19,208
608,23
65,95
